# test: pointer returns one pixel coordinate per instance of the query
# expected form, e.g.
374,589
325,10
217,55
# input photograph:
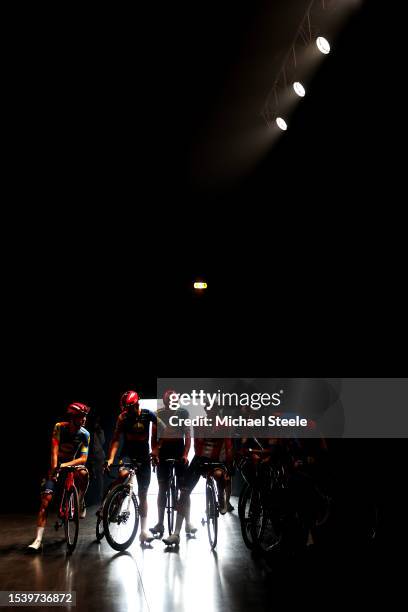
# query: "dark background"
114,210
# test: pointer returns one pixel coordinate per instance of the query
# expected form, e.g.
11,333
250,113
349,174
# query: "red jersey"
211,447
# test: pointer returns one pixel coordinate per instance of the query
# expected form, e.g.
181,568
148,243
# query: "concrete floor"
154,579
141,578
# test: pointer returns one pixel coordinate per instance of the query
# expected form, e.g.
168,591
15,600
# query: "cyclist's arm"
187,442
80,461
113,449
153,439
55,443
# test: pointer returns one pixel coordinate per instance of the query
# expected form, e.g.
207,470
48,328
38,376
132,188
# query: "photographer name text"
239,421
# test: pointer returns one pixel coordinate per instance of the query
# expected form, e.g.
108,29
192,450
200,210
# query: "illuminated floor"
140,579
192,579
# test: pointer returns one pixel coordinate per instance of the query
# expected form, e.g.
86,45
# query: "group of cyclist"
137,432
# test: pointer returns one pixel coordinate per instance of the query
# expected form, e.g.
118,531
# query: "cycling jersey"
171,438
208,447
71,444
135,430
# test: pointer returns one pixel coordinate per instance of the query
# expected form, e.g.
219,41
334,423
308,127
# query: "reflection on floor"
192,579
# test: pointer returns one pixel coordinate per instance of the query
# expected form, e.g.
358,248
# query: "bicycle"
99,530
245,501
68,509
120,511
282,515
171,496
212,508
100,533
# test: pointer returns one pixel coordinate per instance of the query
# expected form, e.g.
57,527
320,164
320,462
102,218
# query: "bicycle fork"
131,485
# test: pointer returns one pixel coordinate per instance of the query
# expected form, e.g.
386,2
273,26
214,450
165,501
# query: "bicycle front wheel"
264,525
212,513
120,517
244,513
71,519
171,504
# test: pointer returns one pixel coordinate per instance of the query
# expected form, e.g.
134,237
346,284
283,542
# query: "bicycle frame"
63,512
130,482
64,509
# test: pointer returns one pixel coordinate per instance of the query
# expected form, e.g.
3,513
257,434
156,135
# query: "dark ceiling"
121,133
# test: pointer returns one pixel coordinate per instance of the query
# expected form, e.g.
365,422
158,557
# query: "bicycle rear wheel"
211,512
71,518
171,500
120,517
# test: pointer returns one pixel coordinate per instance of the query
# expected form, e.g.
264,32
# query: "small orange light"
200,285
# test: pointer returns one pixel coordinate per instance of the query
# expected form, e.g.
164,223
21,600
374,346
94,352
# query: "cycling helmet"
78,408
167,395
128,399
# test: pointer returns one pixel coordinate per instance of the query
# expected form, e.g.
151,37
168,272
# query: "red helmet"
129,398
167,394
78,408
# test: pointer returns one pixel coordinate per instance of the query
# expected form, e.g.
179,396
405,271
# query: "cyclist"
69,448
133,426
303,457
206,449
173,444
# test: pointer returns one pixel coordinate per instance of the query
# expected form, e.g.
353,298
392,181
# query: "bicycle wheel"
99,527
171,500
211,512
71,518
244,514
266,526
120,517
241,500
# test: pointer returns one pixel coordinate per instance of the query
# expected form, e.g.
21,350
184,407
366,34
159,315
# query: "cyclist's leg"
163,475
191,477
181,470
221,480
81,479
143,481
47,492
123,472
183,510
